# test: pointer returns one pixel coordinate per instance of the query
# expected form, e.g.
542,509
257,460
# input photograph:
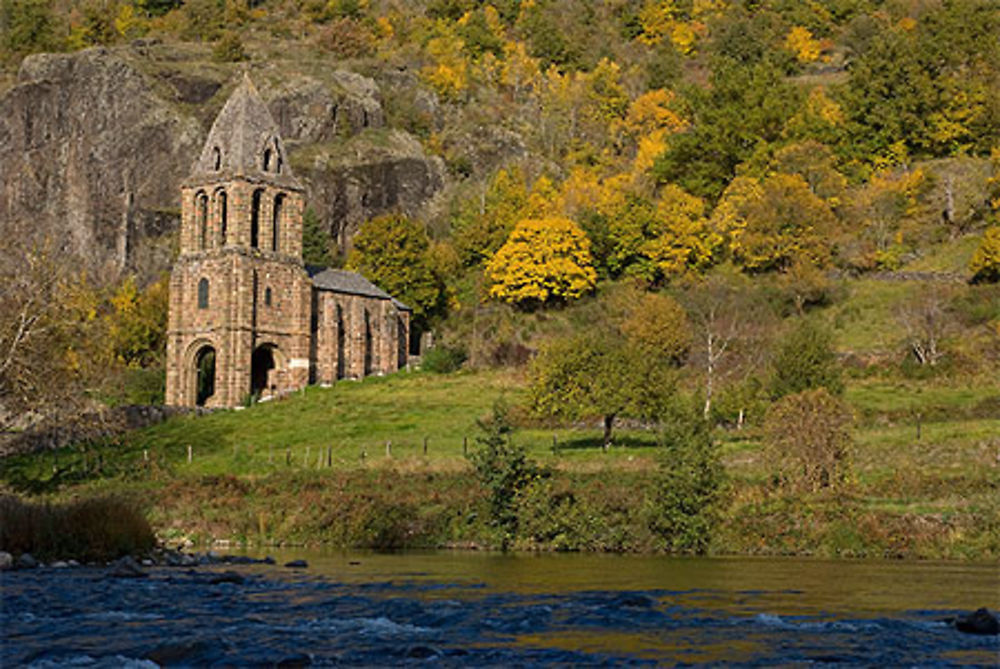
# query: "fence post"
465,445
305,460
388,449
329,457
288,456
555,443
190,454
425,445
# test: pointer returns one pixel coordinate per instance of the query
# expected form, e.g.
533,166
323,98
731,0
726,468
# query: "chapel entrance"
261,365
204,364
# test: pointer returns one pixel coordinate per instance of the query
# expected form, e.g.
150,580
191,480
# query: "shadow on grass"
596,443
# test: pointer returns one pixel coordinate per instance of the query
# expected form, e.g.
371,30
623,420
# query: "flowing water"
460,608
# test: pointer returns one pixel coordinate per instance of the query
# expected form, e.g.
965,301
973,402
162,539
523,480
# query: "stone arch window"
216,158
201,217
279,202
223,204
255,201
267,160
203,294
267,296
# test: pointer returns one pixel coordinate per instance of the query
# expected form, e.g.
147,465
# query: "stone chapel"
247,318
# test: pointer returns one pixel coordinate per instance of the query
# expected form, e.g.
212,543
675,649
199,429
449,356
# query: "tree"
544,260
985,263
745,109
52,343
657,326
137,324
503,468
808,439
317,243
926,318
484,223
392,252
779,223
804,361
686,499
598,374
728,328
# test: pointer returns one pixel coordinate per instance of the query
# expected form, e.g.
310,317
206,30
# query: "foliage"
443,359
805,360
657,326
392,252
484,223
743,110
102,528
808,439
503,468
137,322
544,260
229,48
686,503
598,374
775,223
985,263
28,26
317,243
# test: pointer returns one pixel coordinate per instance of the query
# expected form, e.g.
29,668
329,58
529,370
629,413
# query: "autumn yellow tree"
985,264
544,260
685,241
776,222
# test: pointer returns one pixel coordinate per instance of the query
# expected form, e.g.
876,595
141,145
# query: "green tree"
503,468
393,252
805,360
597,374
544,260
743,111
686,502
808,440
317,244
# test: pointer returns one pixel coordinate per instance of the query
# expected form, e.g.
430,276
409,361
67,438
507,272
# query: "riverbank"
381,464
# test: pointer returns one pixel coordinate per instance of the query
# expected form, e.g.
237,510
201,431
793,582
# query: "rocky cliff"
93,146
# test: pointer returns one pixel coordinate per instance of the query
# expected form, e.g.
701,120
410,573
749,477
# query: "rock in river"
982,621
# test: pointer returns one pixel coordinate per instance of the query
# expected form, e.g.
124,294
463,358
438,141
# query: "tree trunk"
608,423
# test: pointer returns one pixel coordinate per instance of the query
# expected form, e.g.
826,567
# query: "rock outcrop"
91,154
94,145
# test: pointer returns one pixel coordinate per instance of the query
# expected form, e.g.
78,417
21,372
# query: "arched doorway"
204,364
261,365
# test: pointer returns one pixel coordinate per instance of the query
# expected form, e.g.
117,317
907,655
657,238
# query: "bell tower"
240,298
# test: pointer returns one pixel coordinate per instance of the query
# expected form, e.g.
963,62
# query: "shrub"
504,470
808,440
985,263
443,359
103,528
685,504
805,360
229,49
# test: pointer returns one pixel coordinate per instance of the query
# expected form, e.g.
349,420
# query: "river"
468,608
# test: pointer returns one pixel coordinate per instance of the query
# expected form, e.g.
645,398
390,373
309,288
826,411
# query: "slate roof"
242,132
343,281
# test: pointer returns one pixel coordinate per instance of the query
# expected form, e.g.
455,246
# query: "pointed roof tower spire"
244,142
